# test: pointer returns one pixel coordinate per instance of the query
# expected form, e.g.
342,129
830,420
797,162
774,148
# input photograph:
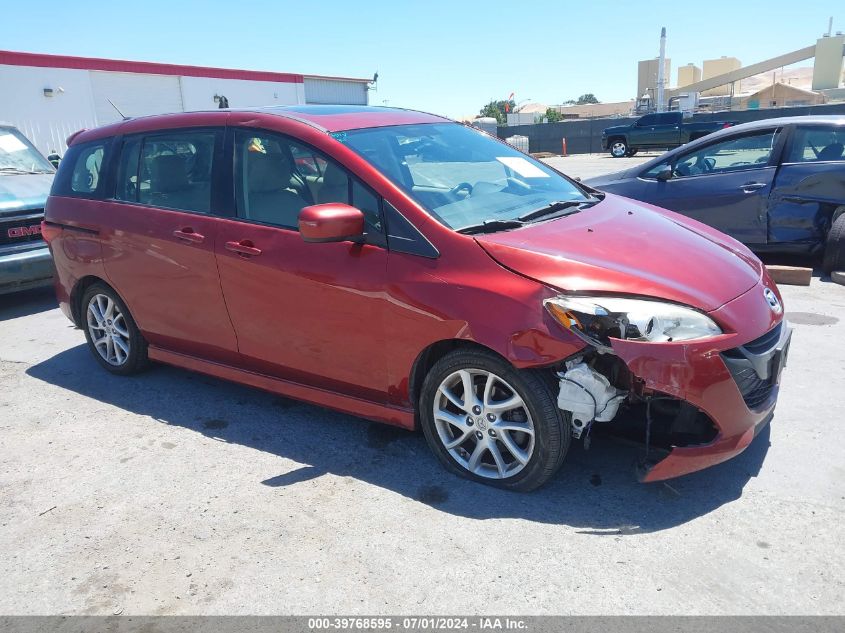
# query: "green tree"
552,115
587,98
496,109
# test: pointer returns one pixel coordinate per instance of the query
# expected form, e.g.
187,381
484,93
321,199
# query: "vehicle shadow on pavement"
26,302
595,492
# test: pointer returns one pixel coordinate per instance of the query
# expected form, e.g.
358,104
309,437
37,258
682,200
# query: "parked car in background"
25,179
777,185
404,268
663,130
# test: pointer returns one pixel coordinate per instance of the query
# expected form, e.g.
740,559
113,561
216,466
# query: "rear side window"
81,173
171,170
818,144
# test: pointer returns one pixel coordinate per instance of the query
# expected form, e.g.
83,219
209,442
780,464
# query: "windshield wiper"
570,206
489,226
554,209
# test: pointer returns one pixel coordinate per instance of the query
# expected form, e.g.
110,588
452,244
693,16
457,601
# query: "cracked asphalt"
175,493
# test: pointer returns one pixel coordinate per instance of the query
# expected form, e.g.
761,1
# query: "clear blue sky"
449,57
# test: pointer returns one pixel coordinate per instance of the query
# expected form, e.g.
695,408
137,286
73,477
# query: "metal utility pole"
661,70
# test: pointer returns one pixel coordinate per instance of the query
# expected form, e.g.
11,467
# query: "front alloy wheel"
618,149
487,421
484,424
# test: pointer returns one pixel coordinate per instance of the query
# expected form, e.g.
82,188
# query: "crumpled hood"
24,191
627,247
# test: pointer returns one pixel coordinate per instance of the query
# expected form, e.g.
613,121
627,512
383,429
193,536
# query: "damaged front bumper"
722,390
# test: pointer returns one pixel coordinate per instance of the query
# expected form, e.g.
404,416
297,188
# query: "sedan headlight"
597,319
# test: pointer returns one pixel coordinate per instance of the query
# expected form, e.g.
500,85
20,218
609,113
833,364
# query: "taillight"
726,125
49,231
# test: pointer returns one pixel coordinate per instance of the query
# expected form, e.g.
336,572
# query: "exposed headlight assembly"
598,319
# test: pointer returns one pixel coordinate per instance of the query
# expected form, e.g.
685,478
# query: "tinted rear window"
82,170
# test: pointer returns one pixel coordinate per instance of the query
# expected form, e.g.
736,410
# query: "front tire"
618,148
834,250
489,422
113,337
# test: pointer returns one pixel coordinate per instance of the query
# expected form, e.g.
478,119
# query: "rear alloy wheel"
618,149
111,332
491,423
834,250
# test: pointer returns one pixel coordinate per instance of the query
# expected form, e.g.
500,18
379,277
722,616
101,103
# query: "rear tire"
834,250
113,337
618,148
509,433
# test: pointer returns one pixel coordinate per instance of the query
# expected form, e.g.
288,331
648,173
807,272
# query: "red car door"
159,248
305,312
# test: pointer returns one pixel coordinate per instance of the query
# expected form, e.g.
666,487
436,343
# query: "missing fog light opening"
589,390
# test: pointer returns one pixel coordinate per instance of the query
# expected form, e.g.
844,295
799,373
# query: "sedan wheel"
488,421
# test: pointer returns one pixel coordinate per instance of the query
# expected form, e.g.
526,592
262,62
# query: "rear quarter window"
81,172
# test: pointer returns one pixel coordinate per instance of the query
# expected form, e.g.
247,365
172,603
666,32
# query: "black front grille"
22,228
766,342
747,362
755,391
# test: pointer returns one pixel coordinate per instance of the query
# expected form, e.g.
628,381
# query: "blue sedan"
777,185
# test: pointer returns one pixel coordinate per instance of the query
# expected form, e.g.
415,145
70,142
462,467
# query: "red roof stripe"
13,58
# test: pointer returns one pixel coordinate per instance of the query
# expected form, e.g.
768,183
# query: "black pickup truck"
663,130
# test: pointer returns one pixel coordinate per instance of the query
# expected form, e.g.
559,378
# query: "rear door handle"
244,247
189,235
751,187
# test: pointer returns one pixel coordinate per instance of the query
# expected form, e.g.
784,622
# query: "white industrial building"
48,97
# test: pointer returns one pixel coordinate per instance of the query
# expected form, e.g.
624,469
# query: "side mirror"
664,174
332,222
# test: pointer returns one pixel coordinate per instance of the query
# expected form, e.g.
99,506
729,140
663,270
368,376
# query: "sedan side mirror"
332,222
664,174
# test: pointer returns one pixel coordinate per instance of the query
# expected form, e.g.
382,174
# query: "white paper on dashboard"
11,143
522,167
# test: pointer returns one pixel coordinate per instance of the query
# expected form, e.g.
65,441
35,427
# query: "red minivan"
405,268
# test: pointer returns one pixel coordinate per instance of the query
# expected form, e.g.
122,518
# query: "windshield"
461,175
17,155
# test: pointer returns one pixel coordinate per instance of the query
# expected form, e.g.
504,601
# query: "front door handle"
751,187
244,248
188,235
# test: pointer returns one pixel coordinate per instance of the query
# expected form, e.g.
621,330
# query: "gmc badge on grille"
24,231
